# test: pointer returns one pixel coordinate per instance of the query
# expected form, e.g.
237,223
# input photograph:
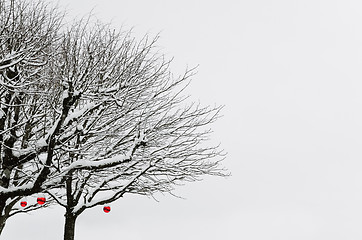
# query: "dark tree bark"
69,226
6,214
2,223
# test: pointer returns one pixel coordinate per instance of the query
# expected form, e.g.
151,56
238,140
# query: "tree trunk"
5,212
69,226
2,223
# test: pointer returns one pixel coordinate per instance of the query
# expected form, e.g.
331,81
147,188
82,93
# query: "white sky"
289,73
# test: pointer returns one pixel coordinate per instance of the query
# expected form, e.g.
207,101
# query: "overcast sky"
289,73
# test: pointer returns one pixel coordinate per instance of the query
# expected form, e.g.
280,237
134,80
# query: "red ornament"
23,204
107,209
41,200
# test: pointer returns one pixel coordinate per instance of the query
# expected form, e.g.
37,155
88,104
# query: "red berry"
107,209
23,204
41,200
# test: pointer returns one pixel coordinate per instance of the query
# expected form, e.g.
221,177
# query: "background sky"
289,74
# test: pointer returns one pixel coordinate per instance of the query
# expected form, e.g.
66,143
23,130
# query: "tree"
90,114
131,116
28,30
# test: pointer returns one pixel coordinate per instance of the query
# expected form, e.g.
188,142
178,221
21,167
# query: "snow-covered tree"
129,131
89,113
28,31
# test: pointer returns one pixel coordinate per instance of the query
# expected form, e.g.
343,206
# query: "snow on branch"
104,163
88,113
114,195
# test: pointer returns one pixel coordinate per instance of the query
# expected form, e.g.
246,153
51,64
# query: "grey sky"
289,73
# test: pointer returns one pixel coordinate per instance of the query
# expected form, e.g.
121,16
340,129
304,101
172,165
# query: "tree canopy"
89,113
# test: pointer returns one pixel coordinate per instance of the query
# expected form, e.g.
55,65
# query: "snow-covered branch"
88,114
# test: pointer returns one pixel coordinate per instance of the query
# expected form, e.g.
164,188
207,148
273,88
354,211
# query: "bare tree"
28,29
88,114
129,130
